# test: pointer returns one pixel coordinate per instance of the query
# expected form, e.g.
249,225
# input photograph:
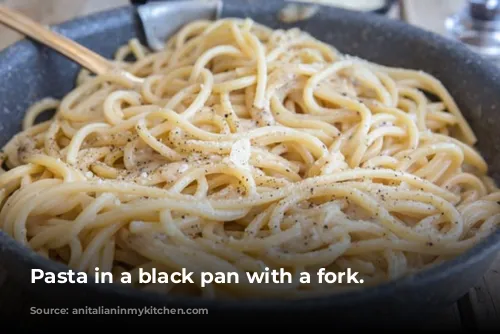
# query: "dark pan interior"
29,72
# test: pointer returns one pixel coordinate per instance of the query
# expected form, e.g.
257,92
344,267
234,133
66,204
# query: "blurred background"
474,22
53,12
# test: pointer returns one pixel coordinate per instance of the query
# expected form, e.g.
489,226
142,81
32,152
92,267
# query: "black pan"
29,72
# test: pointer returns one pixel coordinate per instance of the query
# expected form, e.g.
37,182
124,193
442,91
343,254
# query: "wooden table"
480,308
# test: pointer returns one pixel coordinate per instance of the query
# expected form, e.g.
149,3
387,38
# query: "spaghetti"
246,148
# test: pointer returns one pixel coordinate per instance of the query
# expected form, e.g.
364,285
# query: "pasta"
245,148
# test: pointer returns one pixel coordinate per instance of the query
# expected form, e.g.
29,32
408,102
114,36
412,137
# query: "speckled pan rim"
29,259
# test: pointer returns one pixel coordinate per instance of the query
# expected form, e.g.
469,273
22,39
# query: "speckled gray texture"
29,72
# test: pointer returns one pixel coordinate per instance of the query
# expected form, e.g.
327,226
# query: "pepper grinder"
477,25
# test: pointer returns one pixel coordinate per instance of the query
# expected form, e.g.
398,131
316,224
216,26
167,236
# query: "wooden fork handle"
78,53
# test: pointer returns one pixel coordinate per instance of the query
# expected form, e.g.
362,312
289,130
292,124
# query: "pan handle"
382,10
143,2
